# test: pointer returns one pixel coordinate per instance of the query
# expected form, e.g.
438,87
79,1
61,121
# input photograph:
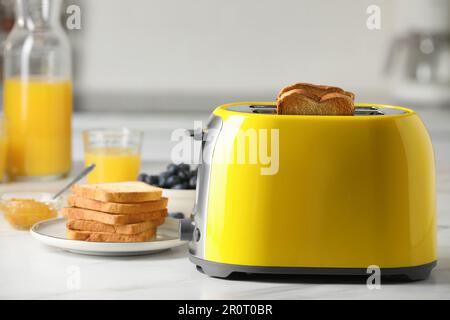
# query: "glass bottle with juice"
38,93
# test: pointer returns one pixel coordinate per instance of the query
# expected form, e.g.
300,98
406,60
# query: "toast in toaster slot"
309,99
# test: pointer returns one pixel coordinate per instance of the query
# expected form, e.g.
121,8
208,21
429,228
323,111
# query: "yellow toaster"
293,194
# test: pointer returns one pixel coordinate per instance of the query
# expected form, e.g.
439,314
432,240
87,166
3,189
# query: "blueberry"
181,186
142,177
162,182
193,182
184,167
153,180
176,215
163,176
184,175
172,180
172,168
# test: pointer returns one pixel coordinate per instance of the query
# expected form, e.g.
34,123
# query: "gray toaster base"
223,270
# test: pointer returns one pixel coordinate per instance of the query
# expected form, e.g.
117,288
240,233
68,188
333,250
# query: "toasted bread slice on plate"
115,219
95,226
120,192
110,237
119,208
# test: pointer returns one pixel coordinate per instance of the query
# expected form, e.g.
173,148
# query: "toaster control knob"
187,229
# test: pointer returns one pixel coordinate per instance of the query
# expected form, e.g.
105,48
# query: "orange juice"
38,120
113,164
3,151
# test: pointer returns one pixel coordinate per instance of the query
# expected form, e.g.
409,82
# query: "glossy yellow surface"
38,120
351,191
113,164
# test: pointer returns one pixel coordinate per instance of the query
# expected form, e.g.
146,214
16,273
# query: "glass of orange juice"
116,154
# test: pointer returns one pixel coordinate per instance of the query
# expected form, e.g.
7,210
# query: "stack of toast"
311,99
115,212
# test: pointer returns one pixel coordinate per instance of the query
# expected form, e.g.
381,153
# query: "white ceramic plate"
53,233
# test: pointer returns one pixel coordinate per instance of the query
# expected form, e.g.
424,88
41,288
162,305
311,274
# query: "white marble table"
31,270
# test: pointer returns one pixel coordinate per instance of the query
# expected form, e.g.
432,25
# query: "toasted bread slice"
114,219
337,104
121,192
119,208
317,90
351,95
133,228
300,102
110,237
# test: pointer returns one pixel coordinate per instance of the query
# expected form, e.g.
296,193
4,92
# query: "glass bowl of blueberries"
179,182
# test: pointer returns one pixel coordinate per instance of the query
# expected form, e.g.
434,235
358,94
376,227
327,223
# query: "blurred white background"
171,54
174,55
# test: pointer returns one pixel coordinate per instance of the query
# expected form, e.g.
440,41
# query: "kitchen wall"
193,55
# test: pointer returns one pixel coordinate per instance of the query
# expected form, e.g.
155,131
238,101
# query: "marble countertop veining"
30,270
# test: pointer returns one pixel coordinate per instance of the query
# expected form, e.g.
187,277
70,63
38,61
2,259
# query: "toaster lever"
186,229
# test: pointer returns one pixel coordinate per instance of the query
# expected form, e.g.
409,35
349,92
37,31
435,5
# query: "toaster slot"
368,111
263,109
359,111
262,106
